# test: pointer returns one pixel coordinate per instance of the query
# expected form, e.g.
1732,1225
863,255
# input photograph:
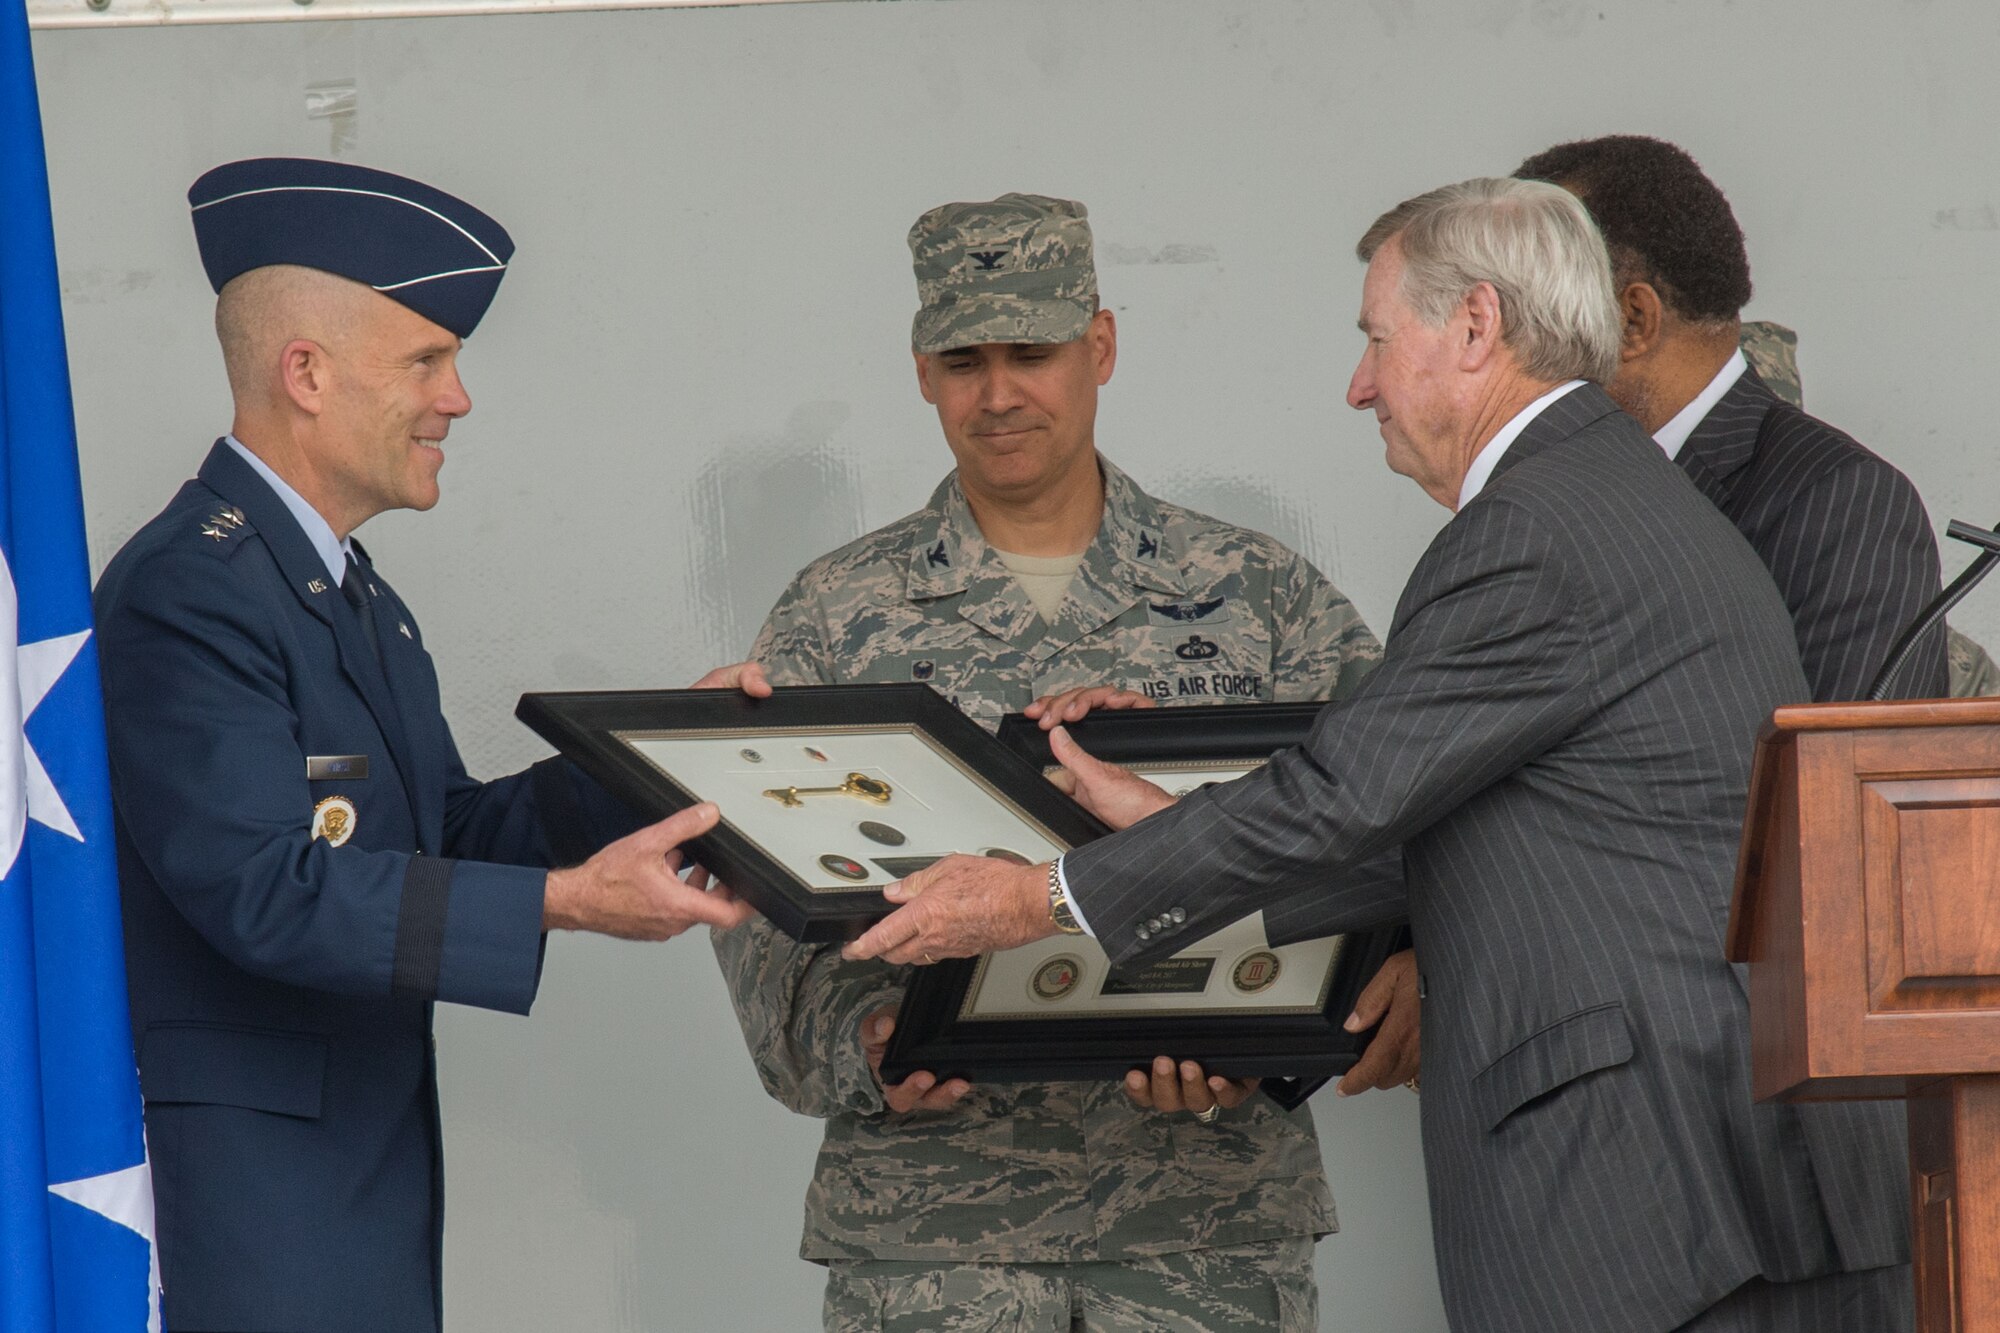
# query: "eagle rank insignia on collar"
333,819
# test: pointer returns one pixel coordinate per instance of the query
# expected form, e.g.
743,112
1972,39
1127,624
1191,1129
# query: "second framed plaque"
1234,1002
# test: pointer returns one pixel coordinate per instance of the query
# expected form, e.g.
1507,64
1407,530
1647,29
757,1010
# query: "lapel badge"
317,585
334,819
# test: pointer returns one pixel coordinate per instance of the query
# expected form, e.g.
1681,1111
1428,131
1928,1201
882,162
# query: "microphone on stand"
1899,656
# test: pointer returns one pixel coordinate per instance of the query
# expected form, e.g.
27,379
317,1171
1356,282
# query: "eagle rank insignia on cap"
333,819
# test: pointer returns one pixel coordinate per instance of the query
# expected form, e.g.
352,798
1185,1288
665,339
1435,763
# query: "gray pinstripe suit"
1844,534
1559,739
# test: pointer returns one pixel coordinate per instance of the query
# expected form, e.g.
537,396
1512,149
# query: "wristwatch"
1059,908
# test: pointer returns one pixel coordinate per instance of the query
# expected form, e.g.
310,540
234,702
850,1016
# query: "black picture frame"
587,726
1211,733
1294,1053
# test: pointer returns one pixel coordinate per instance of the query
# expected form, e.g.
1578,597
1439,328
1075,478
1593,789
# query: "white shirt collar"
1488,456
318,531
1672,436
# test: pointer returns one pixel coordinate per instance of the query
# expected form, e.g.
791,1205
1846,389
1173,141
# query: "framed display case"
1232,1001
827,792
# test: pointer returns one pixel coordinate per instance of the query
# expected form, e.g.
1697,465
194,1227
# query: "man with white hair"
1558,739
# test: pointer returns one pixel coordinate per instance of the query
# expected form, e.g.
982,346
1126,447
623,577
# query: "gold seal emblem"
333,819
1056,978
1255,971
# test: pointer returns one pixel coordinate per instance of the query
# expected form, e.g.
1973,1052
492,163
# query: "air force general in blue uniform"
306,867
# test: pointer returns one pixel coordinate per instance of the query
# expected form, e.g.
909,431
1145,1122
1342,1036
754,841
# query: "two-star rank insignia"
211,530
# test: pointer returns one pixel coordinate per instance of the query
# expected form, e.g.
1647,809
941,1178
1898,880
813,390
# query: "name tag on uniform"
336,766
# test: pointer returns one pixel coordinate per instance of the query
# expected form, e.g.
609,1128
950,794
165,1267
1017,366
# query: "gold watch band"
1060,914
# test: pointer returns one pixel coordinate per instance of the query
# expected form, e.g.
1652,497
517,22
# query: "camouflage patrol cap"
1016,269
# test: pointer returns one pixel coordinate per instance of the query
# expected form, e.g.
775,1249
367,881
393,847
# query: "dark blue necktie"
355,589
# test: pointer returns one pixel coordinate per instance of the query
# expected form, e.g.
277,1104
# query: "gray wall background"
696,379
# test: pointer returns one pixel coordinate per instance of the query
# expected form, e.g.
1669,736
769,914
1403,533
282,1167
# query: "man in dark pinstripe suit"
1558,740
1844,534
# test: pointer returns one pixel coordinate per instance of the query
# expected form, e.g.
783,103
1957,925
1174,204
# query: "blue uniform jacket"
282,985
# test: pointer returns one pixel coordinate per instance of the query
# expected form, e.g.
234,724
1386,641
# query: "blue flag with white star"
76,1198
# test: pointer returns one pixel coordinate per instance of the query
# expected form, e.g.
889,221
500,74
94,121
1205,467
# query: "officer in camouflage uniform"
1062,1205
1972,668
1772,351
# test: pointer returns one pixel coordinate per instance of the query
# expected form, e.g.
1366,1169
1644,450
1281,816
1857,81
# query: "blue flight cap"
438,255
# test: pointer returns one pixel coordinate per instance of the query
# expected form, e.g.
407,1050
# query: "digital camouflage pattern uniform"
1016,269
1187,610
1772,351
1972,669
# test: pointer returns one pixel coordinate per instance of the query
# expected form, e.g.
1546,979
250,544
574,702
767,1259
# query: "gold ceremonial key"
858,785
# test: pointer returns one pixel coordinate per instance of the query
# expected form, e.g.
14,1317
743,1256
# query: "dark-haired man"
1843,533
1772,351
1039,567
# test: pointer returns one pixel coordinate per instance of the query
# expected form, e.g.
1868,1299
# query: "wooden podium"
1868,908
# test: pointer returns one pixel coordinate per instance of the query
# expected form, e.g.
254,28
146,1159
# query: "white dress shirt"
1674,434
318,531
1488,456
